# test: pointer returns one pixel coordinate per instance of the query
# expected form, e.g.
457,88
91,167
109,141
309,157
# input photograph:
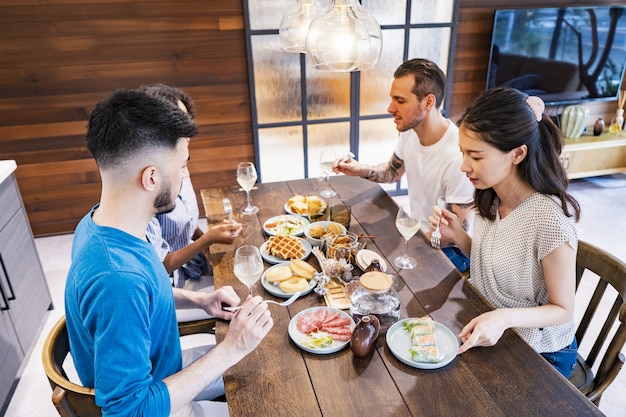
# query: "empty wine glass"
246,177
327,157
248,265
408,223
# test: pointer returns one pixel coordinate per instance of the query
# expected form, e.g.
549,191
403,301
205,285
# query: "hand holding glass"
327,157
248,265
408,224
246,177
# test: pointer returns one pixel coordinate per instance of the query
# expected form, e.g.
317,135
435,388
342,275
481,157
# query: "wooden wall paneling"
59,59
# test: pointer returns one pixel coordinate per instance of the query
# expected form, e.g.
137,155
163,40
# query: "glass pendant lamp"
346,37
295,23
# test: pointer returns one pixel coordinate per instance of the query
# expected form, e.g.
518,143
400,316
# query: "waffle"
285,247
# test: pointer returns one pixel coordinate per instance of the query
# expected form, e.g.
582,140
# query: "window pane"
421,45
432,11
276,81
335,136
387,12
266,14
376,83
328,94
280,153
377,142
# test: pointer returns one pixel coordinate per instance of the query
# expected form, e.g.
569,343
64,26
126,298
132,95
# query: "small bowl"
315,241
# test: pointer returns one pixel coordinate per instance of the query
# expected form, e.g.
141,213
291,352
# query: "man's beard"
412,123
163,201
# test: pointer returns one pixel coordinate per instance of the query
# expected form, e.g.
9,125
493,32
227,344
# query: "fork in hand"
283,304
435,238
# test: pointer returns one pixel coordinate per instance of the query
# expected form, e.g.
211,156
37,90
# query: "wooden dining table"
280,379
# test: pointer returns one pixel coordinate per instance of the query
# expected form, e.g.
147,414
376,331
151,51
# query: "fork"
435,238
228,210
283,304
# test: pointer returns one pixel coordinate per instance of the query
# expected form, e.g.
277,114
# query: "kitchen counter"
6,168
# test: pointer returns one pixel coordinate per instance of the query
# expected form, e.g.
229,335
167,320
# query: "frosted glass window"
376,83
266,14
432,11
431,43
335,136
377,142
281,153
328,94
276,81
387,12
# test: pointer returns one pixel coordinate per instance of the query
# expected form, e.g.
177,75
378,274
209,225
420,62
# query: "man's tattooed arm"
385,173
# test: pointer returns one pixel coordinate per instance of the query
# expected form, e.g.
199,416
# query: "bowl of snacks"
314,232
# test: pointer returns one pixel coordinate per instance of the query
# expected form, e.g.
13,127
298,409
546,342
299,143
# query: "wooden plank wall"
59,58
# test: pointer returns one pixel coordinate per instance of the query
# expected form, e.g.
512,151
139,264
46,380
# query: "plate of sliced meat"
321,330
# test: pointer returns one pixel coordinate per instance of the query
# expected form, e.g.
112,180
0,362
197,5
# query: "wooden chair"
73,400
612,272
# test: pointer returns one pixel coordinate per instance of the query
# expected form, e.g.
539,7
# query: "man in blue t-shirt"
119,303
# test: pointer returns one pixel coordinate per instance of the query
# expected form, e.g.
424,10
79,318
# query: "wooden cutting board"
336,296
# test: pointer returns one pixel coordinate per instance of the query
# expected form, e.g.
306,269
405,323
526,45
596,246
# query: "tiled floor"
603,223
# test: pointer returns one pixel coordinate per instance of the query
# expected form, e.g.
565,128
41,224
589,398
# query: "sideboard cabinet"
24,294
589,156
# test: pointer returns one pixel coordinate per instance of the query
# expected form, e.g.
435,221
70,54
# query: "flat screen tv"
564,55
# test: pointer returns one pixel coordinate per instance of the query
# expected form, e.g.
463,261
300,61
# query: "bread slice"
302,269
278,273
293,284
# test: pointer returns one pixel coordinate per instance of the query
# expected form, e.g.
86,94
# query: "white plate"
271,259
399,342
288,209
289,218
364,258
296,336
275,289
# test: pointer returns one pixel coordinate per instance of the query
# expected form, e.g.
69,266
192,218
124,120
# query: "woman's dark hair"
129,122
502,118
429,78
171,94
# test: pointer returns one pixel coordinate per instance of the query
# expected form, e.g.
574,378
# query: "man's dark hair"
171,94
129,122
429,78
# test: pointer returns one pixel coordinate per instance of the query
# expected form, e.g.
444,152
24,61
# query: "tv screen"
563,55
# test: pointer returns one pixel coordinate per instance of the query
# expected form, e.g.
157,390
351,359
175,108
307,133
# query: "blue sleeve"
116,311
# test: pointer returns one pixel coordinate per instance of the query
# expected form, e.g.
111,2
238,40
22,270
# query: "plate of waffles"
281,248
285,224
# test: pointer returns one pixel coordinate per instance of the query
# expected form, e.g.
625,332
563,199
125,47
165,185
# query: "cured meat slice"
310,322
307,323
320,316
336,333
337,321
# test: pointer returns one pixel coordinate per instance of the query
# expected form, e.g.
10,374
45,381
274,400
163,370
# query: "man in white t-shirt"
427,149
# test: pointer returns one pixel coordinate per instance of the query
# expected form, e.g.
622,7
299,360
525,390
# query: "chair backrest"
70,400
612,272
73,400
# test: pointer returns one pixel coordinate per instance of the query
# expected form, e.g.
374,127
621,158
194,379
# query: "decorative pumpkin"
573,121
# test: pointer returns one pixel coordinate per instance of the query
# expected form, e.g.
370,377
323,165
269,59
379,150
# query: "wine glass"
408,223
327,157
246,177
248,265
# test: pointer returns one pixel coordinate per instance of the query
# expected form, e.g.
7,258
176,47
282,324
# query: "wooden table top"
278,378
